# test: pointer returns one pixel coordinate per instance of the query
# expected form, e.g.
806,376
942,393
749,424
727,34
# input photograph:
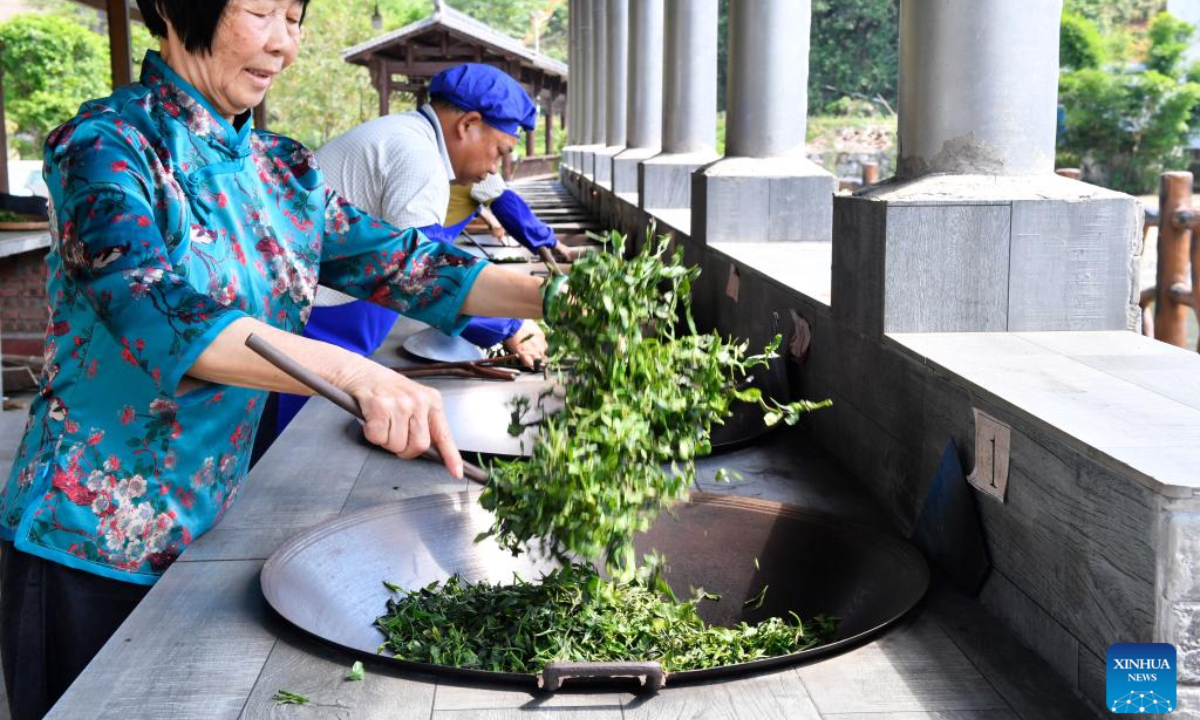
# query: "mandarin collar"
185,104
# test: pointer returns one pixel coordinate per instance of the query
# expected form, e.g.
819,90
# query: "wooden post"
1170,316
1195,273
529,144
118,43
550,126
383,81
3,139
260,115
870,173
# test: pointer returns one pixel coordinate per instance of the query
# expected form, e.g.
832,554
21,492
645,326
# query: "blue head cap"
501,101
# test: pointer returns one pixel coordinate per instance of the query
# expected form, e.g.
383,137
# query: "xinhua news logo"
1141,678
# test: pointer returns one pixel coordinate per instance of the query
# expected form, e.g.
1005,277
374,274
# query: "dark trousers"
53,621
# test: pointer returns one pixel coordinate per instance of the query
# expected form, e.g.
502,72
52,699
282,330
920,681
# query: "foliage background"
1128,101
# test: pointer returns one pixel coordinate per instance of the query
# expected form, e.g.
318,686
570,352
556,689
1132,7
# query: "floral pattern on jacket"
170,223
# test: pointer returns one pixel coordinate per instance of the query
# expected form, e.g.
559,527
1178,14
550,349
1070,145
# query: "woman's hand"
401,416
528,343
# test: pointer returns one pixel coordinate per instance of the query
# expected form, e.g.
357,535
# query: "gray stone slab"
1030,625
805,267
1079,543
580,713
192,649
763,200
386,478
23,241
1032,686
947,715
1093,680
859,231
760,697
1069,265
319,672
1146,436
801,207
625,169
946,268
665,181
1189,704
461,697
913,668
12,428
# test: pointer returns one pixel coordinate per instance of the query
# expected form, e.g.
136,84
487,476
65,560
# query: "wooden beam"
119,47
383,80
134,13
550,127
3,139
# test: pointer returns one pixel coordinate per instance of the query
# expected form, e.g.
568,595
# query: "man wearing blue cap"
400,168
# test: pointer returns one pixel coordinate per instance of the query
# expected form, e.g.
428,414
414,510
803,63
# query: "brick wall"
23,302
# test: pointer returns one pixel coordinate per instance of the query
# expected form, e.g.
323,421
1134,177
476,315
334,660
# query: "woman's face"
255,40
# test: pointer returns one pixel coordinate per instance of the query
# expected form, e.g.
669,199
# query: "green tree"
1168,42
1080,44
322,96
855,50
51,66
1126,128
521,19
1112,14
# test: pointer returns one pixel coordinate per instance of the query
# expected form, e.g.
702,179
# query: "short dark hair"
195,21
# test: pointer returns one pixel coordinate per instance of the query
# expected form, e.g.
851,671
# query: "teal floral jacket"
170,224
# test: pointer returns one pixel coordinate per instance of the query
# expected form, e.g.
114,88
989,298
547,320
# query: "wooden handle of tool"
547,256
336,395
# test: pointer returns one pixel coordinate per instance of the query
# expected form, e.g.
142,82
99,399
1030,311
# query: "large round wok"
329,581
479,411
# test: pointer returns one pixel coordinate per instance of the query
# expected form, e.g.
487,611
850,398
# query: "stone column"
568,153
617,29
598,91
977,233
689,105
580,83
976,93
765,188
643,118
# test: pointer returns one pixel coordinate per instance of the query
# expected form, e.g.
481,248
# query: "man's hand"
564,251
498,231
528,343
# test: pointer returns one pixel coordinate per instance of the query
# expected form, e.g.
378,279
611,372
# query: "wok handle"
336,395
649,674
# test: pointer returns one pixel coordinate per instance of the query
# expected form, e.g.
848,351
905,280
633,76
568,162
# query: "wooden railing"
1178,273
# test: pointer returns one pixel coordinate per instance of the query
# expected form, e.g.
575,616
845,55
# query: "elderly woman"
180,231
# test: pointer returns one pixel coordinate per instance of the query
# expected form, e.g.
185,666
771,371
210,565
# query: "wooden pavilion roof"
447,38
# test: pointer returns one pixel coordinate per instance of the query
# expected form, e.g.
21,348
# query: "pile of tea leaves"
574,615
640,401
642,390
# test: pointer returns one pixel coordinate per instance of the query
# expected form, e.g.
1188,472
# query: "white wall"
1188,11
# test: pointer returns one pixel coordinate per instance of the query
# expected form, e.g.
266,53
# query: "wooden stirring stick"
338,396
